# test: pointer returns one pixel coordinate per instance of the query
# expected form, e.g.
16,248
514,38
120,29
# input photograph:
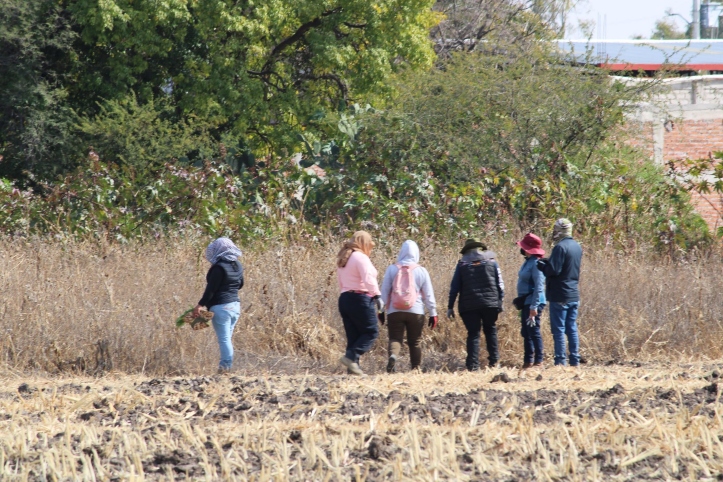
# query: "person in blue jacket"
478,282
531,292
562,273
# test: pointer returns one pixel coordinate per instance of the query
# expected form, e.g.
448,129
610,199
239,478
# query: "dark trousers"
413,324
532,336
484,319
360,323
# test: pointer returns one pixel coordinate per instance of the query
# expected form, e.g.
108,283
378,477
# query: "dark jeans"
413,324
360,323
532,336
484,319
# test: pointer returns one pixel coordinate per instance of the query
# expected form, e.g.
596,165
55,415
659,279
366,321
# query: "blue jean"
360,323
563,322
532,336
224,320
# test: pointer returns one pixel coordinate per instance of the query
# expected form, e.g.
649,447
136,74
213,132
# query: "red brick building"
685,121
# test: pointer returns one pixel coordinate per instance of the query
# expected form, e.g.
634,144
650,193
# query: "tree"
666,29
483,138
260,71
495,25
256,75
36,56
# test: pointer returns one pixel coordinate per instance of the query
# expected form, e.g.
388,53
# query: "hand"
533,313
197,311
382,317
450,313
432,322
380,303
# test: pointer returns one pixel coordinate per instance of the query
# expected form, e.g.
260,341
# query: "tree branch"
288,41
343,88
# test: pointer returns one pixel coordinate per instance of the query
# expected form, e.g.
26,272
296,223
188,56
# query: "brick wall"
696,139
692,139
683,121
686,139
710,207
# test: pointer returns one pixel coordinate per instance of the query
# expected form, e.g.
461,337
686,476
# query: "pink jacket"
359,274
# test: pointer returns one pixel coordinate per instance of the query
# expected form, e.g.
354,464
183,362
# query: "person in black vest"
478,282
223,281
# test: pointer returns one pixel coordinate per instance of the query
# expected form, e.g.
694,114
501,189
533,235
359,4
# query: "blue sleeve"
454,288
554,264
538,285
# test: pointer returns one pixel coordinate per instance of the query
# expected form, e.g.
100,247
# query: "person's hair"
360,241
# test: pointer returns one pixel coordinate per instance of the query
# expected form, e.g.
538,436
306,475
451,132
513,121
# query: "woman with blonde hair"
360,298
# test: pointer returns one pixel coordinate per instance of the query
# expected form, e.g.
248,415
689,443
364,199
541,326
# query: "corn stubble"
651,421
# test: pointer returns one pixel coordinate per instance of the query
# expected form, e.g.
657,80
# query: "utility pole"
696,19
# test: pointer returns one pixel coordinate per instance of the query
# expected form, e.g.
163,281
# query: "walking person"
360,298
531,296
406,290
562,272
223,281
478,282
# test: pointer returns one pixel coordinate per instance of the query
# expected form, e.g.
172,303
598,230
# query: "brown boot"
526,366
352,367
538,365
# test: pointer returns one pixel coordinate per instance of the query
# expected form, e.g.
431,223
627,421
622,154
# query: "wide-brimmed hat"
531,244
472,243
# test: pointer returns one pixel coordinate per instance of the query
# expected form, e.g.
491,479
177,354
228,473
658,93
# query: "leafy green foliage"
481,142
258,70
704,177
250,74
36,55
114,202
150,117
145,136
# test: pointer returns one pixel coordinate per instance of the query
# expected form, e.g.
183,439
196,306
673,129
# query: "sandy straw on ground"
136,428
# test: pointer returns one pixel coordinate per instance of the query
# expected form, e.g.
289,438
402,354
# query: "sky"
627,18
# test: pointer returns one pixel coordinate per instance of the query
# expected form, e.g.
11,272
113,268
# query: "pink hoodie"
359,274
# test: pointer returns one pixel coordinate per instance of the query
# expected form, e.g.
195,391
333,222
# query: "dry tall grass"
89,307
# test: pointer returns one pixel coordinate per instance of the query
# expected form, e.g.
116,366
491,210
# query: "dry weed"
90,308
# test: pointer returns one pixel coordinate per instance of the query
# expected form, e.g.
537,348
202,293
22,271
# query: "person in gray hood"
478,282
406,290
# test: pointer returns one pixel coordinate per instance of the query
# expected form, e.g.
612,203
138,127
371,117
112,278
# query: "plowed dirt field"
619,422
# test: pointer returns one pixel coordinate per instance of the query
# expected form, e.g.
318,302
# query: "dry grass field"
96,383
636,421
90,308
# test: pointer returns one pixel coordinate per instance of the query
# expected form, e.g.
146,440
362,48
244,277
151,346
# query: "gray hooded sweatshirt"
407,255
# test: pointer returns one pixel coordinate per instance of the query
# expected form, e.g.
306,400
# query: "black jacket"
223,281
479,285
562,271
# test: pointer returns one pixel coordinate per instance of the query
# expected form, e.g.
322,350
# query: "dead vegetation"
623,422
90,308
